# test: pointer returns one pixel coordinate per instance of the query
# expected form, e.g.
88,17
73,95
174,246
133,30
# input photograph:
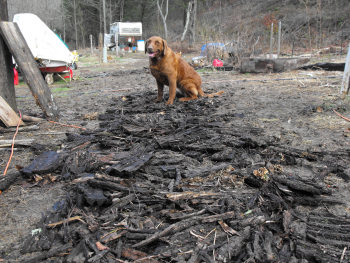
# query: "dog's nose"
150,50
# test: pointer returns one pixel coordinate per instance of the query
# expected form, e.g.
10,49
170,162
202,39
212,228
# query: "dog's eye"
157,42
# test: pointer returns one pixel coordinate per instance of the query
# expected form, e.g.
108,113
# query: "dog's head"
156,47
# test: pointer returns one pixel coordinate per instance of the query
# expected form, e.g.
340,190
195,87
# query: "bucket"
15,76
141,45
217,63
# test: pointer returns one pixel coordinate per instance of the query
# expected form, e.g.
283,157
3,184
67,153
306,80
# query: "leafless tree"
164,16
188,17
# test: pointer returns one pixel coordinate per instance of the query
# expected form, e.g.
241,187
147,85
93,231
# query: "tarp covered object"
42,41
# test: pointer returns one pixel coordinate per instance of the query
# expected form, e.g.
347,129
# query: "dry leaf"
263,173
100,246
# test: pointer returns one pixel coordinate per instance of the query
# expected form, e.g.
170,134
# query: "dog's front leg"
172,90
160,91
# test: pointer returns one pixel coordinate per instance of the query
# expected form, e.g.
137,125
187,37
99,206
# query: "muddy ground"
286,112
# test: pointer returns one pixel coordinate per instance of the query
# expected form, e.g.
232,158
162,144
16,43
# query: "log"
265,65
23,56
8,115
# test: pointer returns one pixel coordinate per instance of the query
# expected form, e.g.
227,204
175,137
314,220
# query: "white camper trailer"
126,35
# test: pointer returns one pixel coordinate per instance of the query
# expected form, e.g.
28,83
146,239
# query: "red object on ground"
217,63
15,76
70,76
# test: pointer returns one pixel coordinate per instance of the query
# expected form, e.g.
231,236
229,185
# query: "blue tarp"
204,47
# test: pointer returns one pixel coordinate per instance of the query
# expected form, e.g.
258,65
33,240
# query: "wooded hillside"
306,24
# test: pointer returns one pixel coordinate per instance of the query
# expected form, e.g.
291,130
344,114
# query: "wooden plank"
7,114
7,88
346,78
23,56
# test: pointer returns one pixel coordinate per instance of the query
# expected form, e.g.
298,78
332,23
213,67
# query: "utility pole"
7,89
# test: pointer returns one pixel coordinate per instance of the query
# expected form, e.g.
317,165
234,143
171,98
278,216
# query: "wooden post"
346,78
25,60
7,89
279,38
271,40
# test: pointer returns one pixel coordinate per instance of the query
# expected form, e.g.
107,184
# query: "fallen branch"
174,228
51,253
68,220
190,195
31,119
7,143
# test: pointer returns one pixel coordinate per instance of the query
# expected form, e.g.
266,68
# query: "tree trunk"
121,10
164,16
75,23
188,17
193,24
7,90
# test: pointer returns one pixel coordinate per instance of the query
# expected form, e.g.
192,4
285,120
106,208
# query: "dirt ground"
295,108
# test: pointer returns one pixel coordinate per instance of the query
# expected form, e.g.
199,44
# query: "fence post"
346,77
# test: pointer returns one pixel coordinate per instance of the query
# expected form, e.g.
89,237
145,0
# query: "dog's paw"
169,102
158,100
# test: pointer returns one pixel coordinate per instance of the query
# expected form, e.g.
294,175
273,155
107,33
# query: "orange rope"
67,125
13,143
341,116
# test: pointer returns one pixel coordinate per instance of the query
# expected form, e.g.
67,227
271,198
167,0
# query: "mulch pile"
188,183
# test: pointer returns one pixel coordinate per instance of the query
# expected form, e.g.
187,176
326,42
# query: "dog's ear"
165,47
146,44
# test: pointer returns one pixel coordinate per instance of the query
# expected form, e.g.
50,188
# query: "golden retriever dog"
171,70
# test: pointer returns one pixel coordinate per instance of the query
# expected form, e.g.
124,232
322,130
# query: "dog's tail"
211,95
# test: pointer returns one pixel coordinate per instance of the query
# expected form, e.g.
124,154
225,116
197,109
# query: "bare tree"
121,10
75,23
164,16
190,24
193,23
187,22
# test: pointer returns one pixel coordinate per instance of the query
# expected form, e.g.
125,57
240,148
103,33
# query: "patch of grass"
59,89
204,70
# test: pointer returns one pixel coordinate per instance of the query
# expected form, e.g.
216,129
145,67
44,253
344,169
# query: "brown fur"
170,69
